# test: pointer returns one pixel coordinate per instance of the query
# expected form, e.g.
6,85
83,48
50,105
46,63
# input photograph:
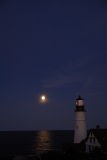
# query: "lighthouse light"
80,103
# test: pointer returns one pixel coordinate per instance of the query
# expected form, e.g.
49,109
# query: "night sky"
57,48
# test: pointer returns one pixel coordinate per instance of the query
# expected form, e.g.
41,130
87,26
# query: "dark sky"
58,48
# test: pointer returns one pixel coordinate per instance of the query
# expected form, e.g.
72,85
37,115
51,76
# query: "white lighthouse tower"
80,131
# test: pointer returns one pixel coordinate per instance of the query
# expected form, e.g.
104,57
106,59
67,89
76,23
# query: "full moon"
43,99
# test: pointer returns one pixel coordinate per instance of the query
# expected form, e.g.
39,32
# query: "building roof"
101,135
79,98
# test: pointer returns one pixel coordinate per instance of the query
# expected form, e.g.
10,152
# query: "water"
29,142
43,141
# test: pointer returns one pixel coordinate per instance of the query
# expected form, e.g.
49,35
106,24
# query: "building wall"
80,127
92,143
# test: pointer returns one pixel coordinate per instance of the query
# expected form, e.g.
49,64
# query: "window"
90,139
93,148
94,139
91,133
89,147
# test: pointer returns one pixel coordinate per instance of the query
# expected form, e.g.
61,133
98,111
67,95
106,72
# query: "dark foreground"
43,145
55,155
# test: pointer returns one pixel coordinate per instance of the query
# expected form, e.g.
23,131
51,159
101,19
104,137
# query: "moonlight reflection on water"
43,141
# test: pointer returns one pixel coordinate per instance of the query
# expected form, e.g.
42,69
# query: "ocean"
31,142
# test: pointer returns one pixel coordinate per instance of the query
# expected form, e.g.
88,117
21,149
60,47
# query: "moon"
43,99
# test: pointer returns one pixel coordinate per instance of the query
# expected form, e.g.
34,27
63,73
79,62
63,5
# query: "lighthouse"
80,131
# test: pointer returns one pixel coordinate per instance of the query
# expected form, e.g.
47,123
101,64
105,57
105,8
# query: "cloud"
68,75
87,72
59,81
